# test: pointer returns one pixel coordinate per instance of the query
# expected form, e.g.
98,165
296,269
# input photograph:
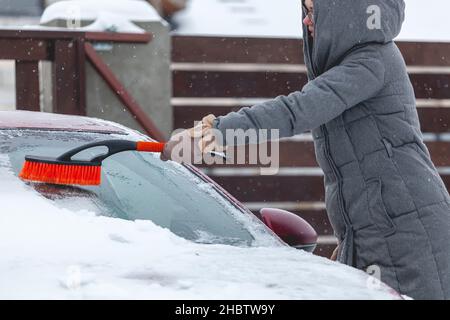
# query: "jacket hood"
342,25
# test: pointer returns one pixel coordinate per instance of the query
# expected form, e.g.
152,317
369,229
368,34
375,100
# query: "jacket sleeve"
358,78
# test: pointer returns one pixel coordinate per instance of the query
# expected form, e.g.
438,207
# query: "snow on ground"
49,252
118,16
425,21
132,10
106,21
268,18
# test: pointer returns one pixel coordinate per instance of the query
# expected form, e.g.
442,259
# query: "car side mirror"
292,229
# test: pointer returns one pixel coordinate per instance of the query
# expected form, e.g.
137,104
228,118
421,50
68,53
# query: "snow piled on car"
54,253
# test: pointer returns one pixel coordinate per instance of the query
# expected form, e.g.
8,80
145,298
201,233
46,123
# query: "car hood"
51,252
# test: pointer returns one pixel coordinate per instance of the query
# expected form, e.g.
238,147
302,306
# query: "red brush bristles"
64,174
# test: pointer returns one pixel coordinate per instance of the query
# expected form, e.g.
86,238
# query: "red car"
197,216
127,237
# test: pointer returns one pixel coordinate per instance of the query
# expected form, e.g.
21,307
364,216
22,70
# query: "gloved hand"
189,146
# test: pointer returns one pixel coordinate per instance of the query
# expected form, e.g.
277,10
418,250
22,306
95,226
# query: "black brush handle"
114,146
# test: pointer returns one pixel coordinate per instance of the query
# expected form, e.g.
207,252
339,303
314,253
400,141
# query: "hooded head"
341,25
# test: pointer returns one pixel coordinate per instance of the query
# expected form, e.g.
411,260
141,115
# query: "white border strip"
285,68
427,137
433,103
287,205
428,70
217,102
327,240
255,171
239,67
282,172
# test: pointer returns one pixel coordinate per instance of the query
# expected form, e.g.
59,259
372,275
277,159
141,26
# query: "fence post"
27,85
69,79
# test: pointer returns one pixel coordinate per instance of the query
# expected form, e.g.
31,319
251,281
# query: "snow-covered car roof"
51,121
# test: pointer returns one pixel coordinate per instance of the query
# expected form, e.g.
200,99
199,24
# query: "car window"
139,186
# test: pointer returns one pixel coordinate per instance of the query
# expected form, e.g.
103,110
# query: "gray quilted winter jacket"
384,197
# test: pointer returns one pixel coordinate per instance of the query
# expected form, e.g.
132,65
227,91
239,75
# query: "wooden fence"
219,75
68,51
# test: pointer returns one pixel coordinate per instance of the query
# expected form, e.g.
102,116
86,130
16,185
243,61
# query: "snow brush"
66,171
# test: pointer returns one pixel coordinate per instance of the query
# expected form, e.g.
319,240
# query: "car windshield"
139,186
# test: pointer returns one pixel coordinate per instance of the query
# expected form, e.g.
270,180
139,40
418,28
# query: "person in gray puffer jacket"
384,197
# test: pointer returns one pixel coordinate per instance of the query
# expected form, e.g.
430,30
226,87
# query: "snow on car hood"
53,253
